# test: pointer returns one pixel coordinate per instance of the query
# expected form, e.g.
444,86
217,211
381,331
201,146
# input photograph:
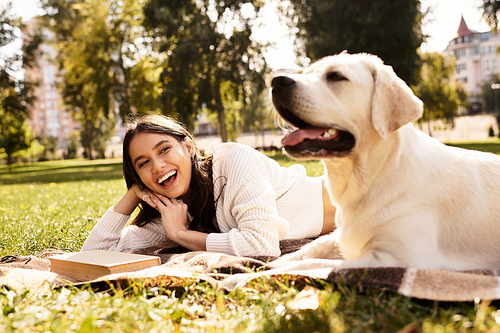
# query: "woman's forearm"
127,203
192,240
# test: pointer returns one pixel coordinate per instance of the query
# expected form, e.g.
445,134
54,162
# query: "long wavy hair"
203,208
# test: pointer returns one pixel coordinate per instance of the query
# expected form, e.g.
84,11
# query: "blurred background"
73,71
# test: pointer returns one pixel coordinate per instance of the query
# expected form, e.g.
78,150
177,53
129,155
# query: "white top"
259,203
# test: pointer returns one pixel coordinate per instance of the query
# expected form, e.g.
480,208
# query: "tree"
84,59
205,48
50,144
73,146
98,45
16,95
15,134
491,9
389,29
490,96
101,134
258,115
441,95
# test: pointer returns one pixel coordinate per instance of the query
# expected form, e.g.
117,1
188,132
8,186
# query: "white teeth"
168,175
329,133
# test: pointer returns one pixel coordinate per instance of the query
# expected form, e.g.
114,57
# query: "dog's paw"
286,260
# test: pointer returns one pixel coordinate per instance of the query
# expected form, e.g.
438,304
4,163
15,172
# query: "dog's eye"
334,76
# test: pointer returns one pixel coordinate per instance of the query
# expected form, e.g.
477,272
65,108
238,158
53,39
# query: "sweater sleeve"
112,234
249,212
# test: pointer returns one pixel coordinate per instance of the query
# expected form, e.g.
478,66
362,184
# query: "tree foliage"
491,8
491,98
389,29
50,144
259,114
73,146
99,44
208,53
441,95
16,95
102,131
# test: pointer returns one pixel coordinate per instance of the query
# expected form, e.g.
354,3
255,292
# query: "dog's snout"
282,82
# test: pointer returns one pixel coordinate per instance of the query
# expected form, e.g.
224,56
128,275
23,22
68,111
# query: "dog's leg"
325,247
310,267
371,259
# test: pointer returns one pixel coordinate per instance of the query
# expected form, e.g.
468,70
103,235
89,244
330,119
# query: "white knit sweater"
259,203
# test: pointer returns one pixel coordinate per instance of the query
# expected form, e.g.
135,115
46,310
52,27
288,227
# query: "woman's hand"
134,196
145,195
173,215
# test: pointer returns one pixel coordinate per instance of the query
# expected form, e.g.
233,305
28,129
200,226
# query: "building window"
461,67
474,50
490,64
460,52
484,36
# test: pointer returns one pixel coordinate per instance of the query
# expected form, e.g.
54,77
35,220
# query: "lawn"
56,204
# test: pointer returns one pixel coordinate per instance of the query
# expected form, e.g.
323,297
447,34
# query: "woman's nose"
157,165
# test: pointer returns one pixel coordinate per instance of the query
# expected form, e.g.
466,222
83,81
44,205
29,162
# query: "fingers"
144,195
149,200
168,201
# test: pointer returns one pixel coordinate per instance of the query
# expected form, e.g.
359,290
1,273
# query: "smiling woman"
236,201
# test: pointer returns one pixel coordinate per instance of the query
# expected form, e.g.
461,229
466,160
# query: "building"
48,116
477,61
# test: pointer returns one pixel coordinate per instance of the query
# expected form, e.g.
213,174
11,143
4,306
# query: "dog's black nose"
282,82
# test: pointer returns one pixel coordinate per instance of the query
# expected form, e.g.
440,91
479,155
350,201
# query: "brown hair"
203,208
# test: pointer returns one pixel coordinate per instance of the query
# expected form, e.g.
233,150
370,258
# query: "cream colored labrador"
403,198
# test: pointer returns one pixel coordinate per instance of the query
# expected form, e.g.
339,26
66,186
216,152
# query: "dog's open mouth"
308,141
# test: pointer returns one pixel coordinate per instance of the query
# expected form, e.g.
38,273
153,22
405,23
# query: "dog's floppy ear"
394,103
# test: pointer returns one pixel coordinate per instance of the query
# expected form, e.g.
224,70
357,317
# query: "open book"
89,265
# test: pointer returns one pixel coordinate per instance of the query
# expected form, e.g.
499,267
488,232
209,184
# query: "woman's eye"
142,164
163,150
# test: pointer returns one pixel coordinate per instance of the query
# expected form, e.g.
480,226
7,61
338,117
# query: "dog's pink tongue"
296,137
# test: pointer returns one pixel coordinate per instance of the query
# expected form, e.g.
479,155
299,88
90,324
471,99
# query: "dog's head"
339,101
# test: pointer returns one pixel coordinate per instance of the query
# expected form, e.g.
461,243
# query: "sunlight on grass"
34,217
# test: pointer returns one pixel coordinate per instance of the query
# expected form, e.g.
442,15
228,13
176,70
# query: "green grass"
61,171
490,145
56,204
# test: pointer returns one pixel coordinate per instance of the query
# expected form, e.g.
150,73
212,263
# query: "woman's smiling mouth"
167,179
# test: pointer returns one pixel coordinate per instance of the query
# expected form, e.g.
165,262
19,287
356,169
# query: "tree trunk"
10,161
88,132
220,108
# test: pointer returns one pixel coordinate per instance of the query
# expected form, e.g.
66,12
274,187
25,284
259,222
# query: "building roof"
463,29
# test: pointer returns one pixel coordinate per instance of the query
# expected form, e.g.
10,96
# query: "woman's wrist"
190,239
127,204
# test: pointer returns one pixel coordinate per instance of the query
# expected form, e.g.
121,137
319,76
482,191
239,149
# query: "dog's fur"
403,198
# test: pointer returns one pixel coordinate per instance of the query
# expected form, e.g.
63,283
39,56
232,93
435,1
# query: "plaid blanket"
180,266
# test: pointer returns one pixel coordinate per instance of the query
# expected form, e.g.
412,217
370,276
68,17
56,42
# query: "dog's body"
402,197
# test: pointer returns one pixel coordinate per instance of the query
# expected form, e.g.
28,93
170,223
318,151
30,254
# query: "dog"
403,198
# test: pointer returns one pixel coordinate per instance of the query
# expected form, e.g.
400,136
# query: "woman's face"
163,163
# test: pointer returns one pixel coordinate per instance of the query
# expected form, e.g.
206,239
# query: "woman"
236,201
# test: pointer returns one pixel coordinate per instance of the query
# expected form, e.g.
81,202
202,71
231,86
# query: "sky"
441,25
